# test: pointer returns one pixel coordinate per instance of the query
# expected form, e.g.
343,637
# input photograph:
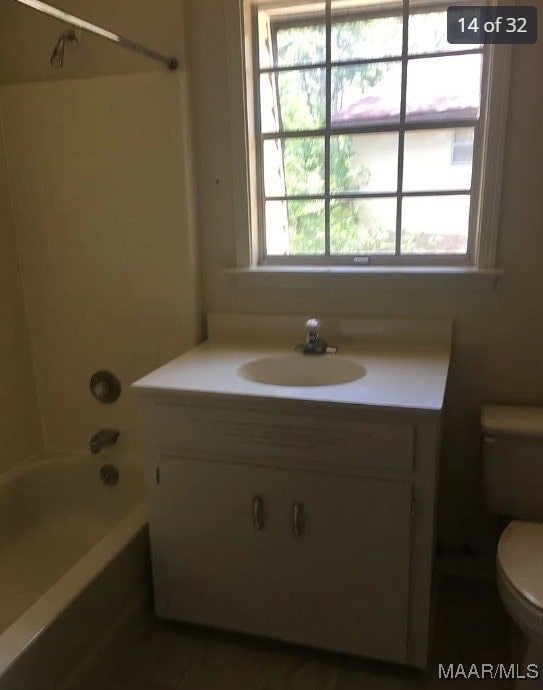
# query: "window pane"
294,45
435,224
429,162
366,38
443,88
364,162
265,41
366,94
463,141
428,32
294,166
293,100
295,227
301,45
274,168
362,226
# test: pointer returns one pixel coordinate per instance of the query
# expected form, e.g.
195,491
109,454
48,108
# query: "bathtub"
74,573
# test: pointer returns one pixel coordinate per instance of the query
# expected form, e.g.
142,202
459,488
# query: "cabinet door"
328,568
211,564
348,568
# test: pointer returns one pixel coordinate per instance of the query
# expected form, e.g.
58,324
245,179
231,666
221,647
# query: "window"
462,146
365,125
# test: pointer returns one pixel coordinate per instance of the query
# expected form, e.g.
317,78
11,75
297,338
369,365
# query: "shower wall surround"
19,426
100,179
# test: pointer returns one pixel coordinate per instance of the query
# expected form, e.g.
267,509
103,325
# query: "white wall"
498,336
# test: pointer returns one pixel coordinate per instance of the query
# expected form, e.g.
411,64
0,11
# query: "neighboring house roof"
438,89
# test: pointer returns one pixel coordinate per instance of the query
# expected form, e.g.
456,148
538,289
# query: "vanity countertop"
407,375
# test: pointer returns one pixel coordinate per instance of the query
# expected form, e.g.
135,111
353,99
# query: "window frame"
486,182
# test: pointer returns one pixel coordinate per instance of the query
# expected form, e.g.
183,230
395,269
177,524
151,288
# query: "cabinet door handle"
258,522
297,520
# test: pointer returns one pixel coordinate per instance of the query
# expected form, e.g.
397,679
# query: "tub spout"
104,437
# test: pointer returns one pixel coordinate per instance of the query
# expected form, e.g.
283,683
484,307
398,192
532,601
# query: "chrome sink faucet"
313,343
104,437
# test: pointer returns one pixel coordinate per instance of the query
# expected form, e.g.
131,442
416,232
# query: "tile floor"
471,628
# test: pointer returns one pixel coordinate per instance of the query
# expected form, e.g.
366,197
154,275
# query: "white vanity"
285,503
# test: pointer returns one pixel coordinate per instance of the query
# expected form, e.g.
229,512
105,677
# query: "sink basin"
302,370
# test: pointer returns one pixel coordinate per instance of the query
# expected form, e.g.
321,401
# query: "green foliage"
306,226
353,230
302,99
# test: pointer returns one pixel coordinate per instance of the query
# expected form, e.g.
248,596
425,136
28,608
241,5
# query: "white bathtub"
73,563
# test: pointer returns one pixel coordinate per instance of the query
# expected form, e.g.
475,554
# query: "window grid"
328,131
327,219
401,132
367,195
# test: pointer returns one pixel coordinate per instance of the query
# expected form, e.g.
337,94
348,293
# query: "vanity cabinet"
294,520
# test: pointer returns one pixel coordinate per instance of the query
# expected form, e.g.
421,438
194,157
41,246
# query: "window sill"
387,277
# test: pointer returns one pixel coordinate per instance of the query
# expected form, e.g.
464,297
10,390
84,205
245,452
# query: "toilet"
513,459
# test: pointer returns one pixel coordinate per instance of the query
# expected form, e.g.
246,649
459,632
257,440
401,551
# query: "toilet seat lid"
520,555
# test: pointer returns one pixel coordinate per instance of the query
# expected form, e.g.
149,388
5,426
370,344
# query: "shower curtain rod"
68,18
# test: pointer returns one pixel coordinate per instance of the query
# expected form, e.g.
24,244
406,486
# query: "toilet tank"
513,460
